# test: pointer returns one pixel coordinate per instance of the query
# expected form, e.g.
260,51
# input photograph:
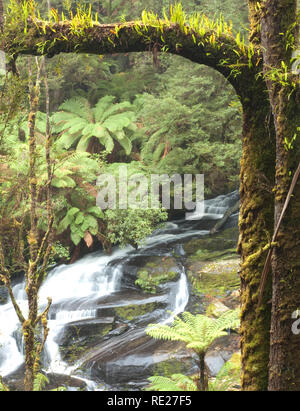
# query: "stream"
98,316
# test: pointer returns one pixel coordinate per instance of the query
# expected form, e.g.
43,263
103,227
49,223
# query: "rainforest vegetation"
161,87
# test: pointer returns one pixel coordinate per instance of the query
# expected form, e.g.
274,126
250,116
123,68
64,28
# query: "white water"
215,207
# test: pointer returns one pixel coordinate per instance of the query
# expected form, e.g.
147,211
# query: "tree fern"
78,123
228,378
198,332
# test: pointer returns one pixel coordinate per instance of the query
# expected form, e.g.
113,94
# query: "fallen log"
227,214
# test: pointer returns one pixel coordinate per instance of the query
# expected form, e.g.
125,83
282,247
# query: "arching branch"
199,40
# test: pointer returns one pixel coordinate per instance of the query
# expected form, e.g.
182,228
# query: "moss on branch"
197,38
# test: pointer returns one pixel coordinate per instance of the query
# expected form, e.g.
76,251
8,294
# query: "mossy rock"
207,255
216,309
79,336
131,312
157,271
214,246
216,278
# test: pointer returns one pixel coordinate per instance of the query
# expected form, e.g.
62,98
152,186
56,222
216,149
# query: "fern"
197,331
78,123
227,379
40,382
3,387
177,382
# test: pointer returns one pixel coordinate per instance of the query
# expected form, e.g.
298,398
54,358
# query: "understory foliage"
206,136
198,332
228,379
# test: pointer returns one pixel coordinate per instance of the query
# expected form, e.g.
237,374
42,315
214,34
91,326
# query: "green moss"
207,255
169,367
131,312
213,284
155,272
213,246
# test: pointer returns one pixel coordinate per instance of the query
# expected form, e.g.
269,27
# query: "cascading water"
216,207
80,291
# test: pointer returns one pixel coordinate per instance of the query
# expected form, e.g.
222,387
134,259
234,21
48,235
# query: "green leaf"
65,182
79,218
93,223
93,230
83,143
126,144
76,238
63,225
96,211
73,211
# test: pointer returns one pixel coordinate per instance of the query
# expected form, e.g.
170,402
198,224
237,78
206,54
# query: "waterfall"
216,207
73,289
77,289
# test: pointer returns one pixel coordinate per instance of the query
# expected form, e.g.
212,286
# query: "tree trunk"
284,91
1,15
202,384
256,224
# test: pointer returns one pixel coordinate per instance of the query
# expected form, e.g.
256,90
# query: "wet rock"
216,308
157,271
131,306
213,246
220,352
79,336
61,380
134,357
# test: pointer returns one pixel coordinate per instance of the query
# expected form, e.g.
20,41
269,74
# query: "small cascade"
216,207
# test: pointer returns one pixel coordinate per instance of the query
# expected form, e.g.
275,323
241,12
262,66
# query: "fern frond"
116,108
102,109
177,382
78,106
40,382
197,331
119,121
162,384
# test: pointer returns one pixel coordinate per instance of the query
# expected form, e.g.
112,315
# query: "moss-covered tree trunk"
256,224
279,39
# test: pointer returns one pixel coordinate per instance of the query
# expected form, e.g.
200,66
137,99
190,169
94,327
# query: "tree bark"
278,21
256,224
